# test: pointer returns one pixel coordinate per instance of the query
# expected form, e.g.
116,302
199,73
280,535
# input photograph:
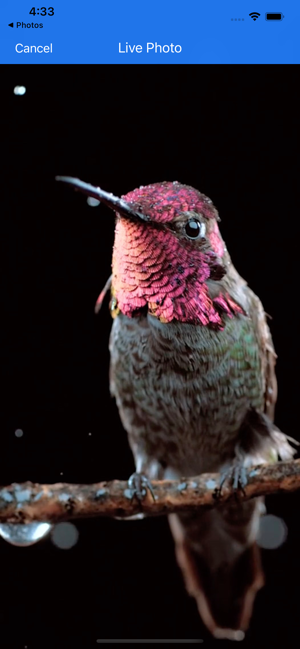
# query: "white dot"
90,433
272,532
19,90
64,535
93,202
19,432
61,473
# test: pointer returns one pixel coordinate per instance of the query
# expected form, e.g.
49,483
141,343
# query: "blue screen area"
152,31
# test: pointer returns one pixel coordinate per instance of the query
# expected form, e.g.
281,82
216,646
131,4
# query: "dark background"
231,132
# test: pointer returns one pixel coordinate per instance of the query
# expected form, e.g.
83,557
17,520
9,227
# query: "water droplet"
19,432
23,535
272,532
93,202
64,535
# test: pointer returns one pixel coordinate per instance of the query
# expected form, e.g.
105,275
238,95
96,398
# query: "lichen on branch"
28,502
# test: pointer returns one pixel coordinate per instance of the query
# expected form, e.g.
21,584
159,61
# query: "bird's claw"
236,476
138,484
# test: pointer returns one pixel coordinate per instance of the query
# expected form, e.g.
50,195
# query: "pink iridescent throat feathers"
153,267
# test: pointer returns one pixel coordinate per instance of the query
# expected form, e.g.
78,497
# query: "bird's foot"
236,476
138,484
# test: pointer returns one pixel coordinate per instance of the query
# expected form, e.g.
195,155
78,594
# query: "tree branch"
28,502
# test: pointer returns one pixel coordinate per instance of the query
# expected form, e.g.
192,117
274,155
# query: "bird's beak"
116,204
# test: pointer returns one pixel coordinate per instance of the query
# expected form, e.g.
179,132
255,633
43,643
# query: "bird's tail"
220,562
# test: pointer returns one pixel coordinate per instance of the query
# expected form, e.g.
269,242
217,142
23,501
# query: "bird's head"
168,253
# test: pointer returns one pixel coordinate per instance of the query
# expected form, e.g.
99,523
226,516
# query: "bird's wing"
267,355
267,441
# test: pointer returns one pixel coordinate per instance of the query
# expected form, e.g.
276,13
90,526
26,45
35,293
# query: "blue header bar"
150,31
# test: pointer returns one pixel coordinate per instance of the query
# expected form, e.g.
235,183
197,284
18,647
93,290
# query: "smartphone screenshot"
149,471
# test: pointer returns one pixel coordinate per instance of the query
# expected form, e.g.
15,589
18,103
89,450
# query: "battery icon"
274,16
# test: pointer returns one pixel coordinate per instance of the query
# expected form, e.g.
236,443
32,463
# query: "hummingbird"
192,369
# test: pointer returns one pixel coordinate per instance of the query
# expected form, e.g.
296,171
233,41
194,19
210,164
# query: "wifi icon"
254,15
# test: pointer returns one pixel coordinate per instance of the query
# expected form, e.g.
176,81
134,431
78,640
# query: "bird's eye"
194,229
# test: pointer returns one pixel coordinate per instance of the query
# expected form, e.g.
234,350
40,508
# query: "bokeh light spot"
19,90
272,532
64,535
